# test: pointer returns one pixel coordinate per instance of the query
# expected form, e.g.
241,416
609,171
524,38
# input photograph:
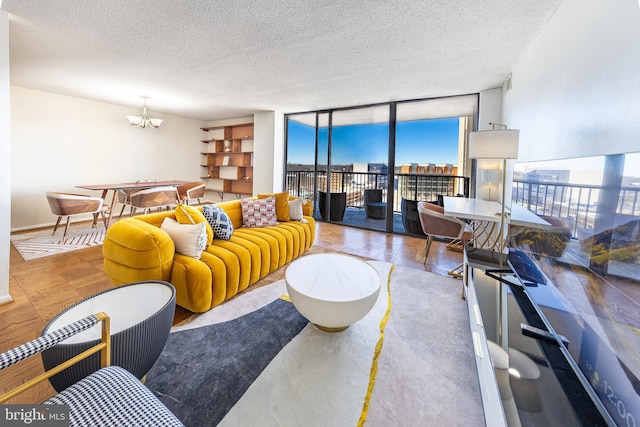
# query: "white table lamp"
496,144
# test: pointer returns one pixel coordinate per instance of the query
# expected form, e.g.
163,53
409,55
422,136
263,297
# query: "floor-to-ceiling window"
595,202
360,164
429,156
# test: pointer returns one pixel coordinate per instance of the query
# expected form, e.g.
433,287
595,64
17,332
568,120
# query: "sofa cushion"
295,210
112,396
282,204
219,221
190,239
186,214
259,212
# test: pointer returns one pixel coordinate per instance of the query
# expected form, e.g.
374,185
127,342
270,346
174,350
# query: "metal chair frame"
436,224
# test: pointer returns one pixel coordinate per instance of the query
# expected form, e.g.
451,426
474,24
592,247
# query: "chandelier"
144,120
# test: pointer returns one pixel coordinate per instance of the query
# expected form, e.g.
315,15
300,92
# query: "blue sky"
421,141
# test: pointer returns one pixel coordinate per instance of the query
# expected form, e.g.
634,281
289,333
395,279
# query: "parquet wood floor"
42,288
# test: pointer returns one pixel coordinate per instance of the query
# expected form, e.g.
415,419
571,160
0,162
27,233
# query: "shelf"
242,131
227,160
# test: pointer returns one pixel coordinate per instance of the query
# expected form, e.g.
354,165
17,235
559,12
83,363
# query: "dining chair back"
191,191
68,205
150,198
124,197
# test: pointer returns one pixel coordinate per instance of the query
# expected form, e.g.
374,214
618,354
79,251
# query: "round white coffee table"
333,291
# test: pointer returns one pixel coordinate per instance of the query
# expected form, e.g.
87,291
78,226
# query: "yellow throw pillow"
186,214
282,204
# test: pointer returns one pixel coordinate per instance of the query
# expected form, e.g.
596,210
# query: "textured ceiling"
229,58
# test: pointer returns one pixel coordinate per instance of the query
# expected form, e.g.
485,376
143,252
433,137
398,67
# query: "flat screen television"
579,280
593,340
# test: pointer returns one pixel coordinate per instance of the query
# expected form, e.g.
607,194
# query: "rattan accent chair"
68,205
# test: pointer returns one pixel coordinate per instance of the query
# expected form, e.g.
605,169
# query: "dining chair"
436,224
124,197
191,191
69,204
158,197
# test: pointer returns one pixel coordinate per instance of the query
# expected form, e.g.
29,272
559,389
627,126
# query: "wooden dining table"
137,185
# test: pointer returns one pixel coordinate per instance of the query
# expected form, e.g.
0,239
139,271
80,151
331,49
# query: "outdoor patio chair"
374,207
338,206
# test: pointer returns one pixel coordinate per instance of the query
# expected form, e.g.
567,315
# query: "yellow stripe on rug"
318,378
376,354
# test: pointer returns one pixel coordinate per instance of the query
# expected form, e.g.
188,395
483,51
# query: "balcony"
592,235
353,185
578,204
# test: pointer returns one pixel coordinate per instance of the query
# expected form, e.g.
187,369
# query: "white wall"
5,158
268,152
278,152
59,142
576,91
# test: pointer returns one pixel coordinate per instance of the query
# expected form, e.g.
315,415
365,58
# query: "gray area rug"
202,372
255,361
427,370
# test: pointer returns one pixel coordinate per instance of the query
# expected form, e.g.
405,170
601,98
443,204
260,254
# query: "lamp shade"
489,175
494,144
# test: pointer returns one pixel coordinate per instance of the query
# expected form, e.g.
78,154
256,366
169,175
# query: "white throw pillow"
190,239
295,210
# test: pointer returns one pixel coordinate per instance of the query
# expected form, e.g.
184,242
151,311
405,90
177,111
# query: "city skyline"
584,170
420,141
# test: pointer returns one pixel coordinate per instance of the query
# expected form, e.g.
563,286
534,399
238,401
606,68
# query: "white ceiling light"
144,120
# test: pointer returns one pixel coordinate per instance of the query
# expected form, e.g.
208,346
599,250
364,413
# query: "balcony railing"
576,202
408,186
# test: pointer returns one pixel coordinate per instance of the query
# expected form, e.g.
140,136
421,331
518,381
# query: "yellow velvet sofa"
137,249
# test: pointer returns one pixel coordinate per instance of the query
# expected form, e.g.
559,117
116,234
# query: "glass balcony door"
358,176
358,164
307,155
429,156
